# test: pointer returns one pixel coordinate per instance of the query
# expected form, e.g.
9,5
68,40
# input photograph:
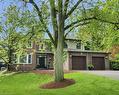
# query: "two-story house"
40,56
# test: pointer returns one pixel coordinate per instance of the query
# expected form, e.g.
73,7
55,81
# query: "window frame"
27,59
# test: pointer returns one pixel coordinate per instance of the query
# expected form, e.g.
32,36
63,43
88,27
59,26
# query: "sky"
5,3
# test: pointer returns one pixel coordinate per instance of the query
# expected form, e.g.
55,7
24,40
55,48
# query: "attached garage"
78,62
98,63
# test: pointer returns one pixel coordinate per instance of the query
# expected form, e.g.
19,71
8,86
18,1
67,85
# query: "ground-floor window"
25,59
29,58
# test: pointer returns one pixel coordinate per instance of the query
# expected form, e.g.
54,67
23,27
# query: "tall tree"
98,36
15,32
9,38
65,15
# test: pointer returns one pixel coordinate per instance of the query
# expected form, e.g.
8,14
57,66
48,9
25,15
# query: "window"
29,58
87,47
41,46
30,44
15,59
25,59
78,46
65,45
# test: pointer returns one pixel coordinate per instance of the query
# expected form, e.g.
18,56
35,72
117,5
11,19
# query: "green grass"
86,84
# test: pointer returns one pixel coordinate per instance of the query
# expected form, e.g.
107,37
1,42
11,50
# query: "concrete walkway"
110,74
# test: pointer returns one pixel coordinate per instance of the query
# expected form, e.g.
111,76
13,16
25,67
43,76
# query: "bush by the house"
114,64
90,66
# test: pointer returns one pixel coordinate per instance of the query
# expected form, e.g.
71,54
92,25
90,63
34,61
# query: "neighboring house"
40,56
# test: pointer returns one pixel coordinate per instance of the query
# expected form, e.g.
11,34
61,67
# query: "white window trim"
27,56
27,61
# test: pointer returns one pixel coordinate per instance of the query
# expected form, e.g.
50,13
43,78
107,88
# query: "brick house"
78,57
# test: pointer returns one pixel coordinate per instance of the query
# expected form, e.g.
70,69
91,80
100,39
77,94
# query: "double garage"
79,60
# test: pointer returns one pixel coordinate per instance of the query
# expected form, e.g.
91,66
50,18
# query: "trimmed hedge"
114,64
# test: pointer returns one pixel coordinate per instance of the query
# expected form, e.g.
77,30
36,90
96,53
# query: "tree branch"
4,60
41,20
106,21
73,8
80,24
88,19
78,21
65,7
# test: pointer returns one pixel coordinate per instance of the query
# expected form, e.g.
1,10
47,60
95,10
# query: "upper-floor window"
41,46
87,47
30,44
65,45
78,46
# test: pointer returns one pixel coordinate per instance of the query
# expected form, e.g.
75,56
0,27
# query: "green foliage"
117,56
90,66
15,31
114,64
99,36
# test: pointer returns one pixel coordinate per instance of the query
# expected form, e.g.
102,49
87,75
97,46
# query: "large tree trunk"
58,55
58,62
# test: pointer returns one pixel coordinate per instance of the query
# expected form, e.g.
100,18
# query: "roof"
87,51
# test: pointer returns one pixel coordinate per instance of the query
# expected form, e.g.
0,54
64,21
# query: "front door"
41,62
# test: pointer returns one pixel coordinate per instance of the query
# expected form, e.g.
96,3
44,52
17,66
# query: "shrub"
90,66
114,64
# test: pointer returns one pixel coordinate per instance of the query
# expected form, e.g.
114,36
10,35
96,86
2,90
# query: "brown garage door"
78,63
99,63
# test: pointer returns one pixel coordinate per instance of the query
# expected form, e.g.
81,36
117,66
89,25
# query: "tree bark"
58,62
11,58
58,54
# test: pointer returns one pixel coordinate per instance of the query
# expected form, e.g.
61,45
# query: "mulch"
55,85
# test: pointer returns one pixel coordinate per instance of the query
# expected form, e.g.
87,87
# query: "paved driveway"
110,74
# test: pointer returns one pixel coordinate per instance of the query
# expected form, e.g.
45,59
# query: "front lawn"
86,84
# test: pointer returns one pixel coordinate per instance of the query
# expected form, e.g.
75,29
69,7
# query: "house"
39,56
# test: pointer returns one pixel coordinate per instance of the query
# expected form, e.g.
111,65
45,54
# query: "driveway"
110,74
